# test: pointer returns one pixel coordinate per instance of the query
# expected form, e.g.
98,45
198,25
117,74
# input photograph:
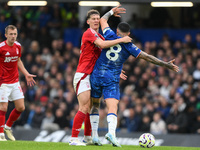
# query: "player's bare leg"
16,112
84,106
19,105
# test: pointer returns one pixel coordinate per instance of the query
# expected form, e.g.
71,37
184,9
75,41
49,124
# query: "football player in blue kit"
106,74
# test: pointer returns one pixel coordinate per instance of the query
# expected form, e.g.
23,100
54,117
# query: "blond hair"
12,27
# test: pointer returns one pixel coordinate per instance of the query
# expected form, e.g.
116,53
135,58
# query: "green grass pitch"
31,145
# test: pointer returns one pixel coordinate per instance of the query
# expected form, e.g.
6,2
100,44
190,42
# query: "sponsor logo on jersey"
7,54
11,59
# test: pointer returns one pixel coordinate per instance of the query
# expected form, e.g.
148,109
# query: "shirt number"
112,53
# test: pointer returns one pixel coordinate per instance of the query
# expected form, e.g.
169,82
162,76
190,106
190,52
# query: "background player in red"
91,46
10,89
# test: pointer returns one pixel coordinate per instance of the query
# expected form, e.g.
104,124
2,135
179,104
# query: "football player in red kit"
91,46
10,89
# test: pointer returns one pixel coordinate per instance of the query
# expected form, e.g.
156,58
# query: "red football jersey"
89,51
8,62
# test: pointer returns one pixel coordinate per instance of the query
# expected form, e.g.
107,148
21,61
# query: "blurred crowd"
153,99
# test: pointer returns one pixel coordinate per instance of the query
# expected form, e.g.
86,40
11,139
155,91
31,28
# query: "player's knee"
95,110
85,109
95,102
96,105
21,109
3,107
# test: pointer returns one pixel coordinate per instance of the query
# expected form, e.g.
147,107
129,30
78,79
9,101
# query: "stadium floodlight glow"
98,3
27,3
171,4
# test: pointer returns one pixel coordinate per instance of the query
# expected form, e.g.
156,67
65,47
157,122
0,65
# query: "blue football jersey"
110,62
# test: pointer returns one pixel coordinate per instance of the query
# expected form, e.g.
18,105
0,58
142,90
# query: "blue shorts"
104,86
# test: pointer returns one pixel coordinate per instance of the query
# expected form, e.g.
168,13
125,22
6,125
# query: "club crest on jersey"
17,50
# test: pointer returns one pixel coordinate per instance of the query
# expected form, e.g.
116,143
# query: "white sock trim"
7,127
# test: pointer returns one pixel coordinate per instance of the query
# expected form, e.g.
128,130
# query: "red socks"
87,129
14,115
2,120
12,118
78,120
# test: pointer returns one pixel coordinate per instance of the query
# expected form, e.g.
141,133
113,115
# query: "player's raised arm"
103,21
154,60
114,11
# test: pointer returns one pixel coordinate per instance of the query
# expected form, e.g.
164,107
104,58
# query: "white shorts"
10,92
81,82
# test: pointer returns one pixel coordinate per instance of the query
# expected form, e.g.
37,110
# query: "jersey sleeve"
134,50
0,51
109,34
1,45
90,36
20,51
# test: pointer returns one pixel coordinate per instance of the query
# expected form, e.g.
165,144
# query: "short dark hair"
92,12
12,27
123,27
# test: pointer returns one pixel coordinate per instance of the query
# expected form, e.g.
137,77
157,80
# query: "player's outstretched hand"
172,66
123,75
29,79
117,11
